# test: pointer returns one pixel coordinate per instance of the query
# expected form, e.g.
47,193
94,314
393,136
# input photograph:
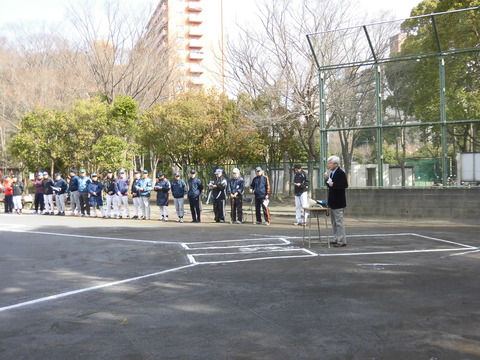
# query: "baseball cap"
40,173
193,171
176,174
82,171
159,175
109,172
94,175
297,166
57,174
258,169
121,171
136,172
73,171
45,173
235,171
144,172
218,171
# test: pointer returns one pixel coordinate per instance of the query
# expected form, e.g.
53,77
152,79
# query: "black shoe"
339,245
333,242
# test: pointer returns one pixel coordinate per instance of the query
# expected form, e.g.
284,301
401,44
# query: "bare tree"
121,52
276,60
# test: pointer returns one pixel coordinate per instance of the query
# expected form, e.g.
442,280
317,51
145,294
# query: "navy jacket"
121,186
260,186
195,188
179,188
336,193
73,186
236,186
162,194
61,185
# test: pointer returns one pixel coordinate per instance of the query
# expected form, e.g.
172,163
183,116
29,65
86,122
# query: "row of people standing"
86,195
234,188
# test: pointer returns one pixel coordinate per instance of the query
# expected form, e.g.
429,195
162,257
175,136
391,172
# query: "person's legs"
216,209
125,204
298,209
258,206
181,207
338,226
193,209
239,207
136,206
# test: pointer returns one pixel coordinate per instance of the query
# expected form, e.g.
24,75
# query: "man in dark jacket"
235,189
195,188
121,189
47,184
260,186
336,182
111,197
300,181
162,187
218,187
59,189
179,189
73,194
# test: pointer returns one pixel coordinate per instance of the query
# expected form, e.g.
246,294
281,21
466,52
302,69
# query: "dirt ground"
84,288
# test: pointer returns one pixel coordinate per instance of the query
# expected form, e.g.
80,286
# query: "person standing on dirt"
195,188
300,181
260,186
236,187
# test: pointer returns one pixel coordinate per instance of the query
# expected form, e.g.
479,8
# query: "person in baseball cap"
195,188
179,189
235,189
162,187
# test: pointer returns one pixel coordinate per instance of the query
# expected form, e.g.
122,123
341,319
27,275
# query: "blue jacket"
61,185
83,183
179,188
121,186
95,187
162,194
260,186
195,188
73,186
146,185
236,186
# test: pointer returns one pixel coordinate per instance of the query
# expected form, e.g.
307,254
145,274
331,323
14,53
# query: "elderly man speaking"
337,183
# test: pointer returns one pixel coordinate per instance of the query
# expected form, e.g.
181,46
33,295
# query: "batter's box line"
400,234
187,247
193,261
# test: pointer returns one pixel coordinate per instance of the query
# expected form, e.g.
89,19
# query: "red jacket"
7,184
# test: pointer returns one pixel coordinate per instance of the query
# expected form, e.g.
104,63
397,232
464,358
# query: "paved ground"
84,288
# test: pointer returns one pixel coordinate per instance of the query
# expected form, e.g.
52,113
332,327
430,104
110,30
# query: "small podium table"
315,212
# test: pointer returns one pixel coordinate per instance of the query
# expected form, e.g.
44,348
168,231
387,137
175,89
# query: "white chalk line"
93,237
466,253
253,252
391,252
187,247
92,288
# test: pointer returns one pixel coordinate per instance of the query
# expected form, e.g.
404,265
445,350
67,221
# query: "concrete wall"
434,203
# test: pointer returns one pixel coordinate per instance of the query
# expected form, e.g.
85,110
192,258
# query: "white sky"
52,11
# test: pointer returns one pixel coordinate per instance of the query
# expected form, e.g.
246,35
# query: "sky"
52,11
